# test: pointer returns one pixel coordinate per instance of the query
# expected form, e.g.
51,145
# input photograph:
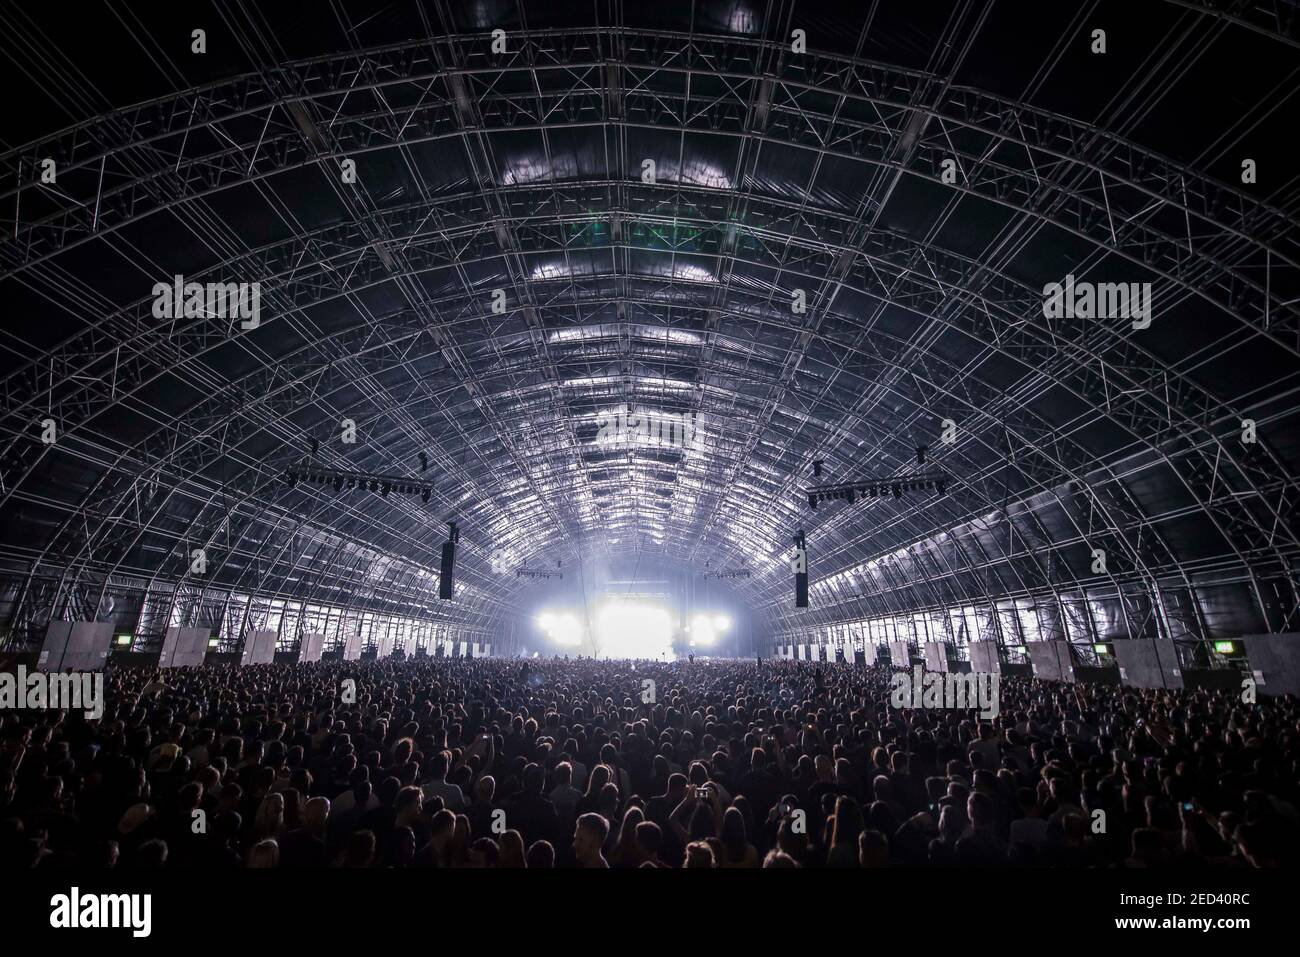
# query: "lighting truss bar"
894,486
530,573
729,574
351,481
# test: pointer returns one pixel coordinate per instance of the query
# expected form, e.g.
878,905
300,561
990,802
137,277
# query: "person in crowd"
438,785
541,856
264,854
736,849
699,854
305,846
624,850
360,852
775,858
512,854
530,811
564,796
846,829
589,836
270,818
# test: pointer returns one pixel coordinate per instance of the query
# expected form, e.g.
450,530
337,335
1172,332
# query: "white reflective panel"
551,270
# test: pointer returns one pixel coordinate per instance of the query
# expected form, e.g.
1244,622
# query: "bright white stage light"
702,630
634,630
721,623
564,629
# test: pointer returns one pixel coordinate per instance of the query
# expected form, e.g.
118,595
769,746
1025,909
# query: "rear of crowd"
436,762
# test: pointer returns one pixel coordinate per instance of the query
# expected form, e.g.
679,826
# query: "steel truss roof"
777,172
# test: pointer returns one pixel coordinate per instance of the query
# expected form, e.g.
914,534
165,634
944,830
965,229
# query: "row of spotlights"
897,489
350,483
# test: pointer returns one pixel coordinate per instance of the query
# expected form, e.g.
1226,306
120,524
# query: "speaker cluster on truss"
895,487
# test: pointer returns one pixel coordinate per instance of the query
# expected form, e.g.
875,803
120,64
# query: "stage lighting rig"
534,574
348,481
729,575
894,486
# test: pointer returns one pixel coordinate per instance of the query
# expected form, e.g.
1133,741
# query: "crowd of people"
433,762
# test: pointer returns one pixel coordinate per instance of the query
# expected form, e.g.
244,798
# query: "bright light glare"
702,630
634,630
721,622
563,629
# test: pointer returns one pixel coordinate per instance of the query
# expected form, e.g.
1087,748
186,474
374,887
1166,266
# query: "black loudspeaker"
448,564
800,565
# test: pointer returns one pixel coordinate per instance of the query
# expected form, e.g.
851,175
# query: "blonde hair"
264,854
270,816
699,854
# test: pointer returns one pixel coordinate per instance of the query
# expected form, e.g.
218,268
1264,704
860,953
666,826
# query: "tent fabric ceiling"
776,175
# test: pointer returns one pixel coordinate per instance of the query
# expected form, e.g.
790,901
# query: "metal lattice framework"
820,174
